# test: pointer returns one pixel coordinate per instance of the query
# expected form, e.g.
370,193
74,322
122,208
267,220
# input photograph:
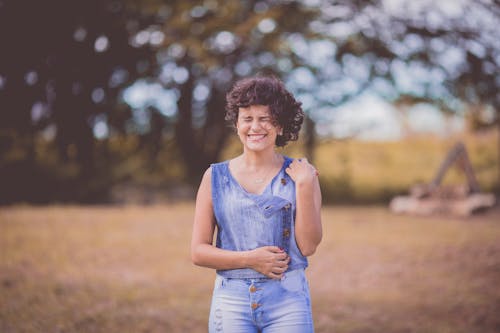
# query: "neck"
256,160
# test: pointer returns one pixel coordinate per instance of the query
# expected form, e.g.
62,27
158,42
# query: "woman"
267,211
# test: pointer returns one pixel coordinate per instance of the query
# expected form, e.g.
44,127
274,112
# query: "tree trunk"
310,139
498,157
200,147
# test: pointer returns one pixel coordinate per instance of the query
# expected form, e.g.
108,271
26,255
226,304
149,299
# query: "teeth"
256,136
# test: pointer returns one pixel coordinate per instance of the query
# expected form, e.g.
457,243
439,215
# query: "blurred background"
111,110
119,101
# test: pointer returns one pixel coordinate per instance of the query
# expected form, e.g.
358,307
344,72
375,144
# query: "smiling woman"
284,111
255,127
266,208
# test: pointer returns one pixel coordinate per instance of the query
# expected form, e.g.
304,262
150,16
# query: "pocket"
219,282
294,282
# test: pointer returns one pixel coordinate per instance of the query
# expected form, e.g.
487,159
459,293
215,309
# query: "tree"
67,71
327,52
208,45
63,64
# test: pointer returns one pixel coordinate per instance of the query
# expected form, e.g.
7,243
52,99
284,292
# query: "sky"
371,118
367,117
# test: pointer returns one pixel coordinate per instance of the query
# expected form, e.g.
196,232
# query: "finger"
275,276
282,262
279,270
279,266
281,256
283,265
274,249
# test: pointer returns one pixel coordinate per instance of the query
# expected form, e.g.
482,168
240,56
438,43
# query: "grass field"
127,269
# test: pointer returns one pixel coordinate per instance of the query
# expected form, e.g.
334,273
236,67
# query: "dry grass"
373,170
102,269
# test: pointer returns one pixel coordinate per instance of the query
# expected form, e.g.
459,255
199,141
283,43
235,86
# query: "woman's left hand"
301,171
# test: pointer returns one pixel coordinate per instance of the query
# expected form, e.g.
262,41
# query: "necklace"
264,177
259,180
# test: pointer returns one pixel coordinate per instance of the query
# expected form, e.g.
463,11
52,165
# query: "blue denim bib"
246,221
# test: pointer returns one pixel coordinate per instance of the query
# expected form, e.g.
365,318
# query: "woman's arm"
308,229
268,260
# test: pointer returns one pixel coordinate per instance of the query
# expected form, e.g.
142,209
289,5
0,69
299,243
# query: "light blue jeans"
261,305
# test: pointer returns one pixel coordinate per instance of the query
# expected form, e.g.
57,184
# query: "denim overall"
245,300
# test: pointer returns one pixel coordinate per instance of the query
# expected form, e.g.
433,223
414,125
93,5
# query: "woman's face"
255,128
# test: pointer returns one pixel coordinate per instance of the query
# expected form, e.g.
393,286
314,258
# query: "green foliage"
65,75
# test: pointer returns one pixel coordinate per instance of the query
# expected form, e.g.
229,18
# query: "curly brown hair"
285,110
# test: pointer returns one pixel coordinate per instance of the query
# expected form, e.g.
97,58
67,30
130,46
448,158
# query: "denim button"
286,232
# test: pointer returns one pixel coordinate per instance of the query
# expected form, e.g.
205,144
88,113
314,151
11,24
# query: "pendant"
258,181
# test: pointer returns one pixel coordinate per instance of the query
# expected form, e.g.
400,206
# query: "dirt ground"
127,269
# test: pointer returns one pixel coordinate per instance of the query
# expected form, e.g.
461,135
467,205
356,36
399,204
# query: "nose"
255,124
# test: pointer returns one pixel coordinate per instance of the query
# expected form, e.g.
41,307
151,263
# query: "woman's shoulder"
218,167
217,164
287,160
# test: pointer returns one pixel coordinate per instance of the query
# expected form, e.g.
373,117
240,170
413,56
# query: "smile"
256,137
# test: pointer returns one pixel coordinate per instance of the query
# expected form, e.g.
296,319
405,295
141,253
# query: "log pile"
433,198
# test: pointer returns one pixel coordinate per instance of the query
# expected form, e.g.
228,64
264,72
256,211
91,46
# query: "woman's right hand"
269,260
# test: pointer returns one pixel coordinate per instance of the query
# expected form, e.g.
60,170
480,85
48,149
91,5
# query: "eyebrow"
251,116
